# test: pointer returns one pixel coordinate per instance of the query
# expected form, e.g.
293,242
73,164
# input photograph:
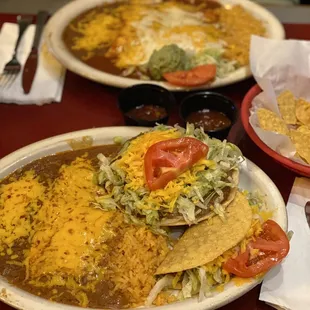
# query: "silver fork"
13,67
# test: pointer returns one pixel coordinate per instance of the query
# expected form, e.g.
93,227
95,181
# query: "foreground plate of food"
175,44
124,217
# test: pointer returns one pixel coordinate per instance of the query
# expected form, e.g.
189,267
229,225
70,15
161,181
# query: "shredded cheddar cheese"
132,161
18,202
68,230
98,30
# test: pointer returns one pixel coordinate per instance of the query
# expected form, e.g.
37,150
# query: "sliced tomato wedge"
166,160
273,246
197,76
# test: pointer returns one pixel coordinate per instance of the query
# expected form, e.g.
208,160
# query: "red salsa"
209,119
148,112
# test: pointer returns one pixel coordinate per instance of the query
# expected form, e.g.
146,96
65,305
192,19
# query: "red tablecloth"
86,104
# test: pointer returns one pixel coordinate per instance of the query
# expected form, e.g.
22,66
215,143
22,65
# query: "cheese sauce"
55,244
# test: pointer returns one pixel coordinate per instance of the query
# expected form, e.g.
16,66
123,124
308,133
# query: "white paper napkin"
50,75
288,285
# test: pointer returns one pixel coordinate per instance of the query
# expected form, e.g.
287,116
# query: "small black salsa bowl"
145,94
212,101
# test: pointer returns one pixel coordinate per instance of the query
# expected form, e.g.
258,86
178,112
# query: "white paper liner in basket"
278,65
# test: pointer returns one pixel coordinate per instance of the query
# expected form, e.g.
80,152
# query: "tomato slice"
197,76
273,246
166,160
273,238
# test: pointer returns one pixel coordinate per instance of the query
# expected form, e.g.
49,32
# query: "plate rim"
54,30
21,299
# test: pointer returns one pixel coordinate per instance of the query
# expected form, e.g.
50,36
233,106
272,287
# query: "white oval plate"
251,178
65,15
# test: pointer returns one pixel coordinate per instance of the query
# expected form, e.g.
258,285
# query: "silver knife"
31,64
307,212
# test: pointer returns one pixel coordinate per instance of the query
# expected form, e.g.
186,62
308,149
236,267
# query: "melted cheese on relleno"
69,248
128,33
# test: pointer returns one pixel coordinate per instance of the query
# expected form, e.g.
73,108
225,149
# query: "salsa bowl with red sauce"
145,105
212,111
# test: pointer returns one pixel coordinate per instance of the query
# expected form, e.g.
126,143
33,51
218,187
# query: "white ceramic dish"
62,18
251,178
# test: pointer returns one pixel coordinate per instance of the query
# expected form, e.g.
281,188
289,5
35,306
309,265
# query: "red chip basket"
245,114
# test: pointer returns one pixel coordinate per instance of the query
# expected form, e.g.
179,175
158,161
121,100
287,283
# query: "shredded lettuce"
203,284
187,286
207,56
290,235
208,190
217,276
112,176
193,275
189,282
164,282
107,204
213,55
255,198
151,217
187,209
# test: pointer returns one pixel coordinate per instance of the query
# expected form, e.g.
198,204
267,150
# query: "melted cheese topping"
67,236
132,32
53,232
169,25
132,162
68,230
98,31
18,203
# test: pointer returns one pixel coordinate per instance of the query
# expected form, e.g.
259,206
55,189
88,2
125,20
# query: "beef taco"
170,176
208,255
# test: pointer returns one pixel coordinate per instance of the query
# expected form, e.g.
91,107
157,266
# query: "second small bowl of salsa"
145,105
213,112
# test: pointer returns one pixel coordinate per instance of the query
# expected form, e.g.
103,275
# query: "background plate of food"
85,230
175,44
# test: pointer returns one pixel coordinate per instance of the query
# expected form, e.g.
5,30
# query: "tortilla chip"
204,242
287,106
301,142
303,111
270,121
304,129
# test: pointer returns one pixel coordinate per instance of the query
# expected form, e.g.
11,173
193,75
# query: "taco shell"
204,242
